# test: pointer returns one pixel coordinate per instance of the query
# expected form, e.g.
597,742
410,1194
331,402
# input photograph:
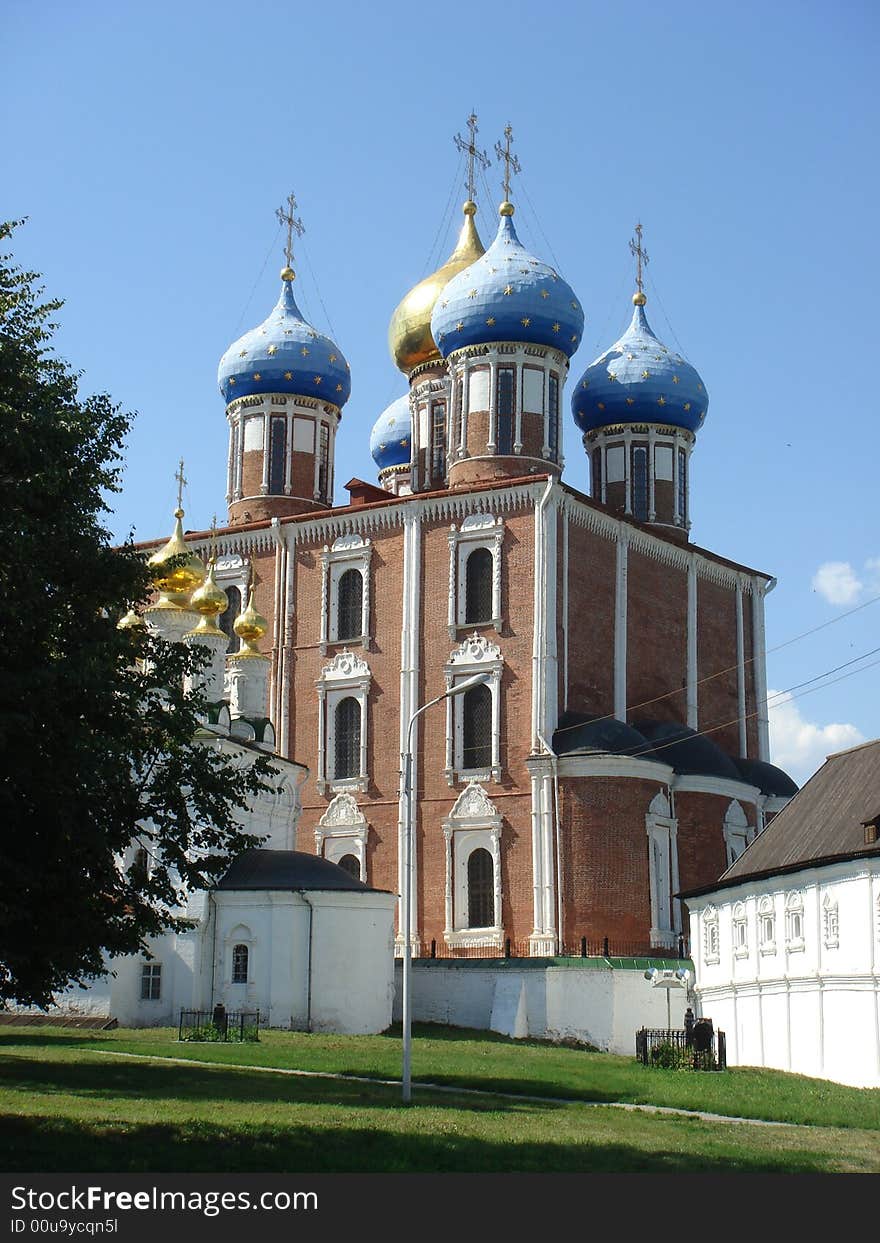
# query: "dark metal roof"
824,822
287,869
686,751
578,732
767,777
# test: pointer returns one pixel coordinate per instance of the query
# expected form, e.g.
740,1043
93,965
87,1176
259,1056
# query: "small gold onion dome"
639,299
210,601
131,621
506,209
175,570
409,333
250,626
288,274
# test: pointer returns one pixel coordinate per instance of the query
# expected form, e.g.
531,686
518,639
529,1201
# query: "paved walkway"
444,1087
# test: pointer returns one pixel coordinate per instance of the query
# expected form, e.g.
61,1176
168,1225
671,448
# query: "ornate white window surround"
343,676
740,931
241,934
477,531
830,922
342,830
473,824
794,922
737,832
711,941
662,829
349,552
766,926
476,654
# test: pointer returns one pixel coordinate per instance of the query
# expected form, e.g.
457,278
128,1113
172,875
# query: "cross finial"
636,247
474,155
181,484
511,163
294,225
213,545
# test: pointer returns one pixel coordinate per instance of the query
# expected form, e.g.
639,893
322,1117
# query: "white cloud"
799,746
837,582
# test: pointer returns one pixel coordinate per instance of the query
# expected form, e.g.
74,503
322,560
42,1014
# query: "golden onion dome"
210,600
250,626
175,570
409,333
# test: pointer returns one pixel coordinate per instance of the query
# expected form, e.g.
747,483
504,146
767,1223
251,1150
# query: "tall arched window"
478,586
277,454
640,483
240,956
227,619
350,602
477,728
350,864
481,890
347,758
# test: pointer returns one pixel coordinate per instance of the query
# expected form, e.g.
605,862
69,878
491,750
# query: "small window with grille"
438,441
240,960
349,618
478,586
553,415
347,723
476,752
350,864
505,403
323,461
277,454
481,889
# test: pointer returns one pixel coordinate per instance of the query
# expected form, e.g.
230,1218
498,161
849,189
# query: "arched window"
476,710
766,926
640,483
348,739
553,415
504,409
350,864
481,890
350,602
277,454
478,586
240,956
227,619
711,940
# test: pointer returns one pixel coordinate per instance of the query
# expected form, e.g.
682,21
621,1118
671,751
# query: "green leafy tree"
99,742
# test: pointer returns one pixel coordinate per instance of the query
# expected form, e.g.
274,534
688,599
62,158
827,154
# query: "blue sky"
150,145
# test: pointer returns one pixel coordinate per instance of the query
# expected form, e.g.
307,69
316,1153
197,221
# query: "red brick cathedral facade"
617,750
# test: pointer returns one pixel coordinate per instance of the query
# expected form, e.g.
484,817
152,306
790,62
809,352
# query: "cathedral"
614,750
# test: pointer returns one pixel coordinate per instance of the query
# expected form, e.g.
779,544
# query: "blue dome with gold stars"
507,295
639,380
285,354
391,435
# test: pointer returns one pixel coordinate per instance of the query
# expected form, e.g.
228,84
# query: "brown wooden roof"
823,822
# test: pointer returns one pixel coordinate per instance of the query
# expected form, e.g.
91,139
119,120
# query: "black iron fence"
695,1048
219,1024
581,948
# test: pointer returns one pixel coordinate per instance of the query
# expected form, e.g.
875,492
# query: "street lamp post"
406,792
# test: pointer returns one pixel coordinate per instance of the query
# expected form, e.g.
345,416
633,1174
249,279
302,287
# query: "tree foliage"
99,741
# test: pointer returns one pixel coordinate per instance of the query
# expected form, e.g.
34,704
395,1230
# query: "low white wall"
600,1005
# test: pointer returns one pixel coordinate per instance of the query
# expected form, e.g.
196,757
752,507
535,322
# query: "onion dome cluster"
391,437
176,571
285,354
409,333
507,295
639,380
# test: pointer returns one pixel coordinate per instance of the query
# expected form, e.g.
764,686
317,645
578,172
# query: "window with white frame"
151,981
233,575
794,921
711,937
240,963
475,550
740,931
662,831
766,925
737,832
345,592
343,694
473,870
473,719
830,922
342,834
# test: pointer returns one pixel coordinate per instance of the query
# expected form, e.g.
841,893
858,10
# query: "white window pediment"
472,825
343,830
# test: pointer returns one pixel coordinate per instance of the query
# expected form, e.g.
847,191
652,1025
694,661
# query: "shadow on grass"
54,1144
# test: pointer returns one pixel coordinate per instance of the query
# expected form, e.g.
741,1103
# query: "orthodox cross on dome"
636,247
212,546
511,163
474,155
294,225
181,484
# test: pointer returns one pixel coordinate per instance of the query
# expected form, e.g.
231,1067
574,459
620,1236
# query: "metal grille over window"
151,981
640,483
477,728
505,408
438,441
324,462
351,602
277,453
597,474
348,738
349,864
481,890
478,586
682,487
240,964
553,416
227,619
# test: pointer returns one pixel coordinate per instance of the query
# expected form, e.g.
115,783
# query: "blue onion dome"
392,434
285,354
507,295
639,380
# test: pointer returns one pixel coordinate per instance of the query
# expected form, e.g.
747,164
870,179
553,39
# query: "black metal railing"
219,1024
694,1048
581,948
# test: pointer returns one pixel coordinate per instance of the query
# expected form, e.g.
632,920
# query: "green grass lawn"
67,1107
